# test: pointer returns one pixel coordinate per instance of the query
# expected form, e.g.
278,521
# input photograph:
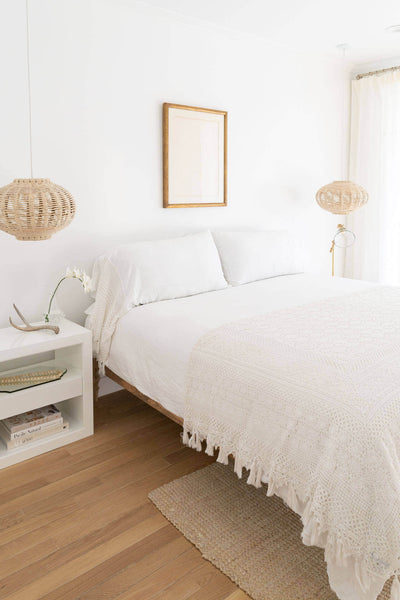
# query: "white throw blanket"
110,306
308,399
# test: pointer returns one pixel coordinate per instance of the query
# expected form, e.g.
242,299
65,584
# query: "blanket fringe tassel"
312,532
395,591
102,367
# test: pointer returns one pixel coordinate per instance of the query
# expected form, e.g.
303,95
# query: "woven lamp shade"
341,197
34,209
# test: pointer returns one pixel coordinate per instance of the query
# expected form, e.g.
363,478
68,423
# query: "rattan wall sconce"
34,209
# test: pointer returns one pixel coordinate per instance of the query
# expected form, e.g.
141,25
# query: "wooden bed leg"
96,380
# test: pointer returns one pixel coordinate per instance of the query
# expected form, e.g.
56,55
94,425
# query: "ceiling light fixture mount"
393,29
343,47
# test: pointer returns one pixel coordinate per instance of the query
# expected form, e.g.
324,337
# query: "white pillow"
252,255
171,268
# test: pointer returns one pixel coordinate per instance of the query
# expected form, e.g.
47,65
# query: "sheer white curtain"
375,164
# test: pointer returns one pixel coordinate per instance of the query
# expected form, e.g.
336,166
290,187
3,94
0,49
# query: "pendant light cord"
344,48
29,89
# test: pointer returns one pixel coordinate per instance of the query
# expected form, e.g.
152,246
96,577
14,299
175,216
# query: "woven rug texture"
253,539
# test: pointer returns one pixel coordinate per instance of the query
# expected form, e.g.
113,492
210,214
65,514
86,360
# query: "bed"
294,375
151,345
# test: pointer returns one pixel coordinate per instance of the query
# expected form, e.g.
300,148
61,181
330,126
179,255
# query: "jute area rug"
253,539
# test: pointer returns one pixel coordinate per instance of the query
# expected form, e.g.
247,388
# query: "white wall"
101,70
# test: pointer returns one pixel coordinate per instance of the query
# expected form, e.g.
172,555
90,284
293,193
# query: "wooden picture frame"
194,156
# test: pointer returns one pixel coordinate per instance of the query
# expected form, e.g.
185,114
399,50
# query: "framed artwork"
194,156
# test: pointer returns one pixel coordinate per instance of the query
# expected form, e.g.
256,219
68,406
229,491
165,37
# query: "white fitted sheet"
152,343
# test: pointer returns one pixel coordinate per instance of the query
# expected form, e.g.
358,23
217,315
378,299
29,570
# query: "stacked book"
32,425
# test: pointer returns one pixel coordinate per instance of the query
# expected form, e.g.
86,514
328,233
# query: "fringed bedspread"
308,400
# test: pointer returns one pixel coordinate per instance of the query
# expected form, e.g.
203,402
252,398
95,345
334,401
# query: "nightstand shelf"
68,386
72,394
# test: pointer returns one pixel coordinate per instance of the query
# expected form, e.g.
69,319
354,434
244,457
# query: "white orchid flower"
74,273
86,282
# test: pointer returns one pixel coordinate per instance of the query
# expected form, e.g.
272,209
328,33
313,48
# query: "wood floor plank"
77,524
22,490
74,522
238,595
17,562
68,551
62,462
80,564
143,570
218,588
162,578
145,556
30,521
188,583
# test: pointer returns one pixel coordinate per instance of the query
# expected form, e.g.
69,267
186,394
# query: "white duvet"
152,343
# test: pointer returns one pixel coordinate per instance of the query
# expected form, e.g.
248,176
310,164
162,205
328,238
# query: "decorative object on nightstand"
28,326
72,394
29,378
30,426
34,209
70,274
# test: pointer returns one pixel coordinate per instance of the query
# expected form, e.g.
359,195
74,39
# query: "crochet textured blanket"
308,400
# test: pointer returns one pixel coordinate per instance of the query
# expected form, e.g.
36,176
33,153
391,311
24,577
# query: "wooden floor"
77,523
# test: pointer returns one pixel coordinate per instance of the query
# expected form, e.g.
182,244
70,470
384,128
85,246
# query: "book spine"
34,429
39,421
4,433
35,436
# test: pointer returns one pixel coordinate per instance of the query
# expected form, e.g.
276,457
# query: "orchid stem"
46,316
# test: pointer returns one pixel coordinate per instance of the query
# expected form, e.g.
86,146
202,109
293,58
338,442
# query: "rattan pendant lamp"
34,209
341,197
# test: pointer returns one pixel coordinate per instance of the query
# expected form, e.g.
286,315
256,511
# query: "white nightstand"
73,393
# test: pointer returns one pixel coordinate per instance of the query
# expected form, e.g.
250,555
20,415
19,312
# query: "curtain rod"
377,72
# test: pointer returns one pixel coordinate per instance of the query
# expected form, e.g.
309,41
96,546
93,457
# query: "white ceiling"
316,25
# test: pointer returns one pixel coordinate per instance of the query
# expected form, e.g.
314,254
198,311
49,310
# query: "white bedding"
307,399
152,343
